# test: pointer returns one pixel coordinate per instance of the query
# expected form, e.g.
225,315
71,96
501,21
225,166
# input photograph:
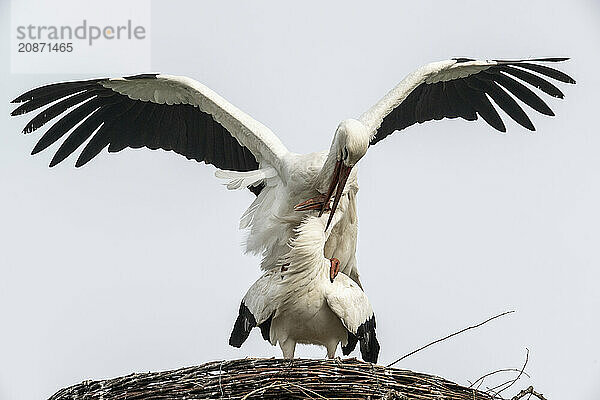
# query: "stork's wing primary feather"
153,111
463,88
348,301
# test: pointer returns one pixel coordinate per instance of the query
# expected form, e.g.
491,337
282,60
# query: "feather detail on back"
241,180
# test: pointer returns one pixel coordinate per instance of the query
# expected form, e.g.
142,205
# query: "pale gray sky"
133,263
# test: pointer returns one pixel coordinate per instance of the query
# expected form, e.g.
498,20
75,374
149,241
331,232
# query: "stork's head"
350,144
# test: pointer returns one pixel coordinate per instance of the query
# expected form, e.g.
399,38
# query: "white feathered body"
304,306
297,304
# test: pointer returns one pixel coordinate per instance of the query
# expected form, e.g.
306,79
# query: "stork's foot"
316,203
335,268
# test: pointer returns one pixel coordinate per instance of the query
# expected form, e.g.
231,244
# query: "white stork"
180,114
306,301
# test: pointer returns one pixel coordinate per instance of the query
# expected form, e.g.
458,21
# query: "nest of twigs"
253,378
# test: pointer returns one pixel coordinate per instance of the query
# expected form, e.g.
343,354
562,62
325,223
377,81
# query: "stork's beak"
340,176
334,269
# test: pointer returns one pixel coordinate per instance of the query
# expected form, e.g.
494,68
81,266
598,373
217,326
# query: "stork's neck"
305,257
325,175
309,271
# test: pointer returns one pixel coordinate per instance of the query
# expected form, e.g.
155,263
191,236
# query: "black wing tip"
53,162
548,59
499,128
567,78
59,157
265,329
369,345
542,59
463,59
20,110
23,97
240,333
235,341
351,345
538,59
544,70
372,354
558,75
29,128
36,150
142,76
45,89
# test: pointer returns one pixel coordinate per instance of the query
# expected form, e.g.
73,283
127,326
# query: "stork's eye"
345,153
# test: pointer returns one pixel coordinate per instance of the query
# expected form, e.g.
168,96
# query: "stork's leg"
331,347
288,347
313,204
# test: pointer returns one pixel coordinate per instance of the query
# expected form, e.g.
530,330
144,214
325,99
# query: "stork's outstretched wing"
154,111
462,88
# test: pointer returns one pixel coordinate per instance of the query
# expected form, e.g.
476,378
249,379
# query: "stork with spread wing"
182,115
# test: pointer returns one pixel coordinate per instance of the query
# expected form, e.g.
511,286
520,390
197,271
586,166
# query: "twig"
283,385
264,388
498,371
220,384
529,397
511,382
449,336
530,392
306,389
